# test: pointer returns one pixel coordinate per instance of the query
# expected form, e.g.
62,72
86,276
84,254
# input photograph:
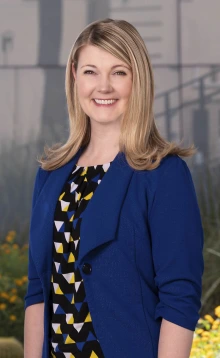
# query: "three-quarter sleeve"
34,293
177,245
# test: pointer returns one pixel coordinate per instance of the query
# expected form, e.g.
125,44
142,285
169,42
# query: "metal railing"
205,94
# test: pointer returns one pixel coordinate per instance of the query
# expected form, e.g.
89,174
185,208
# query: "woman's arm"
34,305
34,331
177,250
175,341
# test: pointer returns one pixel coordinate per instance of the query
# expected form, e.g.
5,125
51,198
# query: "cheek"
84,89
125,89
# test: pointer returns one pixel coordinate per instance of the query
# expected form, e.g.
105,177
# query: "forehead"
96,56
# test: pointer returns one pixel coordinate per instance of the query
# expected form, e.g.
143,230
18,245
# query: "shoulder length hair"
139,139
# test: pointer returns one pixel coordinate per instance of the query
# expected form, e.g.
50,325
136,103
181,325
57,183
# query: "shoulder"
41,176
171,163
171,178
171,168
40,179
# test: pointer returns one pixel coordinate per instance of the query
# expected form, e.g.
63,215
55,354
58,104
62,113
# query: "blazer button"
87,268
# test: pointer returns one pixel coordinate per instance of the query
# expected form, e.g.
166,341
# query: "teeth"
110,101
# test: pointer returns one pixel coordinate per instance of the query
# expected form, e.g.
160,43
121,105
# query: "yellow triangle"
88,318
52,278
78,197
69,340
71,258
73,301
93,355
72,356
61,196
60,249
84,172
58,291
71,321
85,179
87,197
66,208
71,239
58,330
71,219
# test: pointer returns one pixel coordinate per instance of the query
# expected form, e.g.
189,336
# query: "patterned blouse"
71,330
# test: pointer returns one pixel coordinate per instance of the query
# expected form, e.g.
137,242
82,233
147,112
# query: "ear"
73,71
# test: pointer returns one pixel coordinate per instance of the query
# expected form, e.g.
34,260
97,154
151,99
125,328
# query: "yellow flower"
9,238
18,282
209,318
14,290
13,299
12,317
2,306
24,278
217,311
12,233
205,334
205,339
196,352
216,321
199,331
4,295
208,347
196,340
5,246
214,327
210,354
15,246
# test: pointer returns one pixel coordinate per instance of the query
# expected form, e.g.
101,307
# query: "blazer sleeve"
177,245
34,293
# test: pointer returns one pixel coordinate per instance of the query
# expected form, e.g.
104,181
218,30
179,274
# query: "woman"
114,271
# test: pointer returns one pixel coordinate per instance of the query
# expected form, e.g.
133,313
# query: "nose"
104,84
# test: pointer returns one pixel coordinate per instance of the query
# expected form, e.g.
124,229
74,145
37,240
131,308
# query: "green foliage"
206,340
208,193
13,284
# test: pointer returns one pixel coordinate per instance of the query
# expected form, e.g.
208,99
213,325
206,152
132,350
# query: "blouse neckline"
92,166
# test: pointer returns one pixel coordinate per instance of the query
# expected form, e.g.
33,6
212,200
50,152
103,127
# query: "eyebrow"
112,66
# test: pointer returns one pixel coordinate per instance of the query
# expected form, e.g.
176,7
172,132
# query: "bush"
11,348
13,285
206,340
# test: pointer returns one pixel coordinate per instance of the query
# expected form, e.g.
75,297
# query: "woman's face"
101,76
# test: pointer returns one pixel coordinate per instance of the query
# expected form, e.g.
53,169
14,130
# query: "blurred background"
182,38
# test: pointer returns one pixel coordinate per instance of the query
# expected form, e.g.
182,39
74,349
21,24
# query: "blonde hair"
139,138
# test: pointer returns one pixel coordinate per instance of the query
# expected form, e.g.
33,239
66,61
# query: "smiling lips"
106,102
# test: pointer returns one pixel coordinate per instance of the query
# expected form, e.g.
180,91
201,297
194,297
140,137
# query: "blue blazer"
142,235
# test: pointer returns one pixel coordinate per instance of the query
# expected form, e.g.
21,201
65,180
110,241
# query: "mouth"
105,103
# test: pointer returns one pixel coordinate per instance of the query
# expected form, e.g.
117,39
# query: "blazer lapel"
101,215
100,218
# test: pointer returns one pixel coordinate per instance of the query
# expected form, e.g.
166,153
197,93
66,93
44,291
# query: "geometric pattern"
72,334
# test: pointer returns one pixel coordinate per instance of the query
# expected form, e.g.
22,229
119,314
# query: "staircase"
200,114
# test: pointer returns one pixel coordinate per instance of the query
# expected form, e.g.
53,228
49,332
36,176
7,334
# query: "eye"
123,73
87,71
